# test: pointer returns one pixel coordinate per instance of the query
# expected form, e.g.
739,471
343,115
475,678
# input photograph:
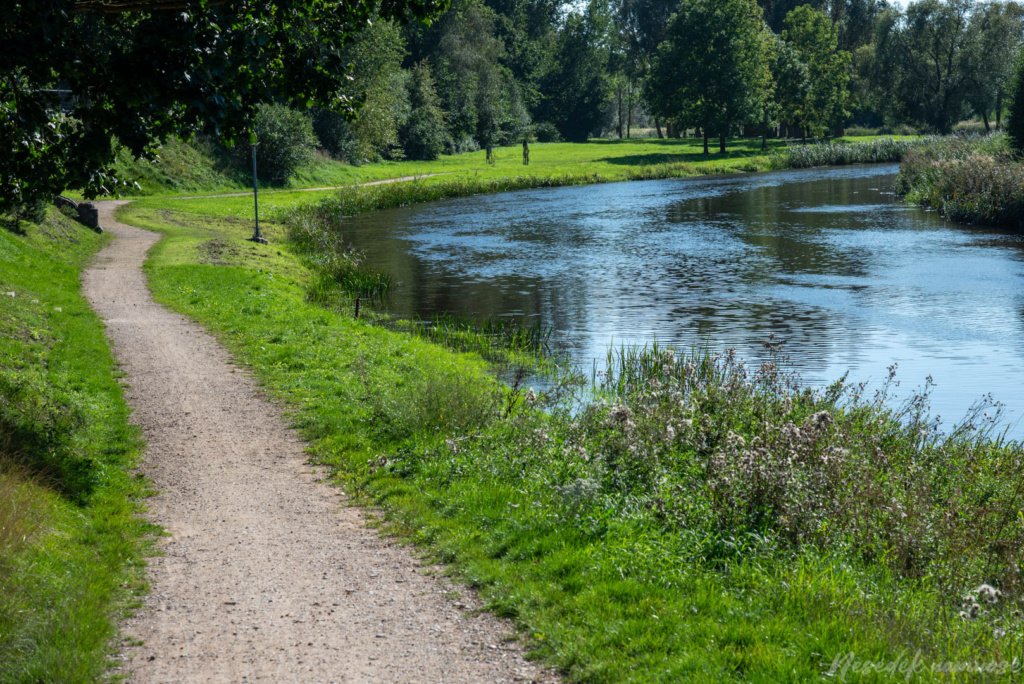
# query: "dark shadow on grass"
736,149
12,225
654,159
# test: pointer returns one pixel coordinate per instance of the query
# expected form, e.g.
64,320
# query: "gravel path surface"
267,574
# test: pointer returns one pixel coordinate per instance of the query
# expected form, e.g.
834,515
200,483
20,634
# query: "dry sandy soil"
266,574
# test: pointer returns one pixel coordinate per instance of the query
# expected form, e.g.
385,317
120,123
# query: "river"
830,262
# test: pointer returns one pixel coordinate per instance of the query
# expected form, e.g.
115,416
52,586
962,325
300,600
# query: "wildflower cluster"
711,449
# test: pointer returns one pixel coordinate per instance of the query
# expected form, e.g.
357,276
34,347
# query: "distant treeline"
493,72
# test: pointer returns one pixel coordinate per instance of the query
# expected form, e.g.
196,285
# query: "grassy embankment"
551,164
972,180
70,542
699,522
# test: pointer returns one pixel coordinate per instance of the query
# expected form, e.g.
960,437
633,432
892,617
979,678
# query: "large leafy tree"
424,134
1015,121
922,61
76,73
994,38
820,103
478,91
642,25
713,71
577,87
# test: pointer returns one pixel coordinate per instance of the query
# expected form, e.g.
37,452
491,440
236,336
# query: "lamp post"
257,236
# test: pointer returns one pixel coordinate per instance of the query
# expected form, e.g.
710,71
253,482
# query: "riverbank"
703,521
551,164
71,544
970,180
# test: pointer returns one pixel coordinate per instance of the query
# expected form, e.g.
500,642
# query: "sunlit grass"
70,541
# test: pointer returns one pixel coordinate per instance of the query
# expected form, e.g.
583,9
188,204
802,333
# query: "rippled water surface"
829,261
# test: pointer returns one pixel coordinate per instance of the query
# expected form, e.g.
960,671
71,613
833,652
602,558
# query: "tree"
577,88
481,97
378,84
922,61
641,25
791,82
994,38
76,73
424,134
1015,120
285,140
820,103
713,70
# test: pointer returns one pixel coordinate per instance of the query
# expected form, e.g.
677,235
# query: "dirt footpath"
267,574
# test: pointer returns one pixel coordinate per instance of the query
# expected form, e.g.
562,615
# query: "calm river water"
829,261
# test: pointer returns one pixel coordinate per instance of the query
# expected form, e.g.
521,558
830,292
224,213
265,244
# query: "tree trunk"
999,111
657,126
721,143
618,98
704,131
629,108
984,117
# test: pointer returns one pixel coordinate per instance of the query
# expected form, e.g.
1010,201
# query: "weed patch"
968,179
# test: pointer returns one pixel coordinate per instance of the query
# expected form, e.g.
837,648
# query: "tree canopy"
81,78
713,70
74,75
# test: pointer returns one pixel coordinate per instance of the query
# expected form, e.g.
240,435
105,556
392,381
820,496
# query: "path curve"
266,575
367,184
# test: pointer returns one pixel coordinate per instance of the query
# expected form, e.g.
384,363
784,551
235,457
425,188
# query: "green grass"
550,164
621,565
71,543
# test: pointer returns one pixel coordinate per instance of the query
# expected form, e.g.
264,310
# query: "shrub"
547,132
285,141
334,133
424,134
972,180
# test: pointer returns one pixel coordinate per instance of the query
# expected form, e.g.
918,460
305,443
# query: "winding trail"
367,184
266,574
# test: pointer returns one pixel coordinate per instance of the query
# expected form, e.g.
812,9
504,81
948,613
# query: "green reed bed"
882,150
970,179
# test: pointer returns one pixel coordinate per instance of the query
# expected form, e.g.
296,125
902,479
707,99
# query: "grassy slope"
69,573
597,160
609,599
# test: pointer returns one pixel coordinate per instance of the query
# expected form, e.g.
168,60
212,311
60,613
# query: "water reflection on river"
829,261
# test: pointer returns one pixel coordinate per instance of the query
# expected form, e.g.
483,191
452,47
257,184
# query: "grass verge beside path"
702,525
70,541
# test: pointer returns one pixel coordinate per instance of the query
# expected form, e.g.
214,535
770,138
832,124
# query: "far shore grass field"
550,163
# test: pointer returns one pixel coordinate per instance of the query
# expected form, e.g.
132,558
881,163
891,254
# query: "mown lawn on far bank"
562,163
846,547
